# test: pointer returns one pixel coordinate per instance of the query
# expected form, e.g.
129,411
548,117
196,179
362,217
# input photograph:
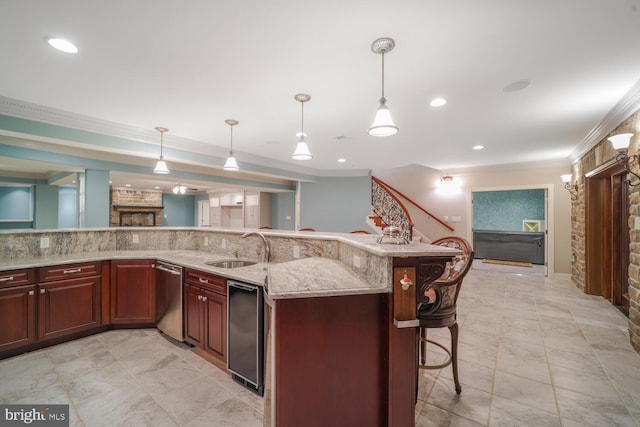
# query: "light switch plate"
356,261
296,251
206,241
223,243
44,243
134,238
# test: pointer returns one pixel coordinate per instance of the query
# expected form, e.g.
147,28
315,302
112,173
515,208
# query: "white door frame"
204,220
548,218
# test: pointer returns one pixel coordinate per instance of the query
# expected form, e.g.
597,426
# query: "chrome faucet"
267,248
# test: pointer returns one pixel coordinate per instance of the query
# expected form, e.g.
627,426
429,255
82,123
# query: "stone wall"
123,200
597,156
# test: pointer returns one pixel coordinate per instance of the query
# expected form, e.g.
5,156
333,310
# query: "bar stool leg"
454,355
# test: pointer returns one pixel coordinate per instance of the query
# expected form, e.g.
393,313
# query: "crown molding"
621,111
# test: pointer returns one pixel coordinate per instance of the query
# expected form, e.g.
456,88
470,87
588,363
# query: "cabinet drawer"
25,276
69,271
206,280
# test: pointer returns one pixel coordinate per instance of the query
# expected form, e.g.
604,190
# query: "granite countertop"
312,276
301,278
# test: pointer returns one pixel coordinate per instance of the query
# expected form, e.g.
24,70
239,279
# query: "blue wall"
68,207
16,203
179,210
97,196
283,205
46,196
339,204
505,210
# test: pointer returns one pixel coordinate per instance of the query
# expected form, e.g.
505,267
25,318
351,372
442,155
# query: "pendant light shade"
383,124
231,164
302,149
161,166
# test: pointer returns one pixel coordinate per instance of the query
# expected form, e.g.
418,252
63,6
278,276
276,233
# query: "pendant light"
231,164
383,124
161,166
302,150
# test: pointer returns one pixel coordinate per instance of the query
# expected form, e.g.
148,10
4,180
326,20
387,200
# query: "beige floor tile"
509,413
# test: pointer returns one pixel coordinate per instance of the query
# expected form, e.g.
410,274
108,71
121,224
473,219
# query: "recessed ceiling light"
517,85
438,102
478,147
110,182
157,188
342,160
61,44
127,185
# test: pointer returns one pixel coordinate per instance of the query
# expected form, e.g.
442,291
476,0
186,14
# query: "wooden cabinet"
133,292
205,315
69,299
257,210
17,309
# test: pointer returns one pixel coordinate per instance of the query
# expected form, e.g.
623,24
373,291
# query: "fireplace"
136,216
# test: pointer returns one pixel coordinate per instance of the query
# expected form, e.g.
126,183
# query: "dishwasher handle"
168,270
243,286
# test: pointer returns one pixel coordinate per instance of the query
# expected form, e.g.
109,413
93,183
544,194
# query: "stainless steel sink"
230,263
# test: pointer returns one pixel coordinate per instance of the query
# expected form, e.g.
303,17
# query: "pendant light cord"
231,144
302,121
383,74
161,143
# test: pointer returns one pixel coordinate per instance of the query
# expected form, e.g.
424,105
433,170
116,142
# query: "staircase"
387,209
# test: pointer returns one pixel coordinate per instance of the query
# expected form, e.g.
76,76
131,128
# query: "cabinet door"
68,306
216,309
133,292
17,316
194,316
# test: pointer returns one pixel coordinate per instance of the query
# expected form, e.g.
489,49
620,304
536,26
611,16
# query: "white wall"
420,184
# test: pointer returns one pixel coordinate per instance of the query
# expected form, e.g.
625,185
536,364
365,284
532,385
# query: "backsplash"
34,244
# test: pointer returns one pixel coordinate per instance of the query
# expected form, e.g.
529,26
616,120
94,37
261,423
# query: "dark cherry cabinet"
69,299
133,292
68,306
17,316
205,314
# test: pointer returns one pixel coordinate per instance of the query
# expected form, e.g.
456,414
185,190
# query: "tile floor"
533,352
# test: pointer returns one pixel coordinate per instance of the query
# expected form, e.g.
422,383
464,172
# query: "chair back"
437,300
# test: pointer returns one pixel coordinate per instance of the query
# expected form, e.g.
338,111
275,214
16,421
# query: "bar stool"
437,305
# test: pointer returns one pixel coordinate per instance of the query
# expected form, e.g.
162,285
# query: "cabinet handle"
204,298
77,270
32,292
199,297
42,291
6,279
203,280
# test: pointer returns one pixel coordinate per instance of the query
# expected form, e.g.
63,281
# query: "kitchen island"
336,352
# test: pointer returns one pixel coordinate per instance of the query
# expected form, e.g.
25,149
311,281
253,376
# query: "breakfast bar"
337,349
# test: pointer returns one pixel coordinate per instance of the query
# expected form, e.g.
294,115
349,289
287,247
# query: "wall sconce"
448,185
178,188
572,189
620,143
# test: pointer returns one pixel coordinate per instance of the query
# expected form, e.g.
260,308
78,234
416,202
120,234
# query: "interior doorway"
543,227
204,213
607,234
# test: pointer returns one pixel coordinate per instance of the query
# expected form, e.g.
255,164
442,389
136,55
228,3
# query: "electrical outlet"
456,219
356,261
288,217
206,241
134,238
446,218
296,251
44,243
224,243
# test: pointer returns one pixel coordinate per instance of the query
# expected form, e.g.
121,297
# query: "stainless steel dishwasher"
169,300
245,336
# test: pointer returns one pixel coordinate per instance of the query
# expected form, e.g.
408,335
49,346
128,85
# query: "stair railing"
392,190
390,209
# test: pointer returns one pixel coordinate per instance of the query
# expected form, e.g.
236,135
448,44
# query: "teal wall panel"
283,206
335,204
16,203
97,196
67,207
505,210
46,207
179,210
